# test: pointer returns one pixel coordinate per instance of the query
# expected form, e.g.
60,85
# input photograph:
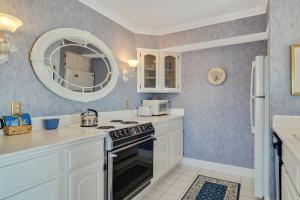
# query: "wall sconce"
8,25
133,63
127,73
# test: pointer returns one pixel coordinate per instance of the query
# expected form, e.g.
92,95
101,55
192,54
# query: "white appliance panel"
258,117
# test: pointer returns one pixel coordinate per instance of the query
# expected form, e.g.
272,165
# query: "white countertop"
288,130
66,133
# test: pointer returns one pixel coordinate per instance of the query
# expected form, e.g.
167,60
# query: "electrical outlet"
15,107
126,104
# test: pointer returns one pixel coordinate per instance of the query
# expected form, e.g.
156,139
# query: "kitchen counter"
44,138
288,130
68,132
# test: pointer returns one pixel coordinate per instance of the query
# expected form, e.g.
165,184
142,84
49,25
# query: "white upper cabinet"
171,72
149,71
158,72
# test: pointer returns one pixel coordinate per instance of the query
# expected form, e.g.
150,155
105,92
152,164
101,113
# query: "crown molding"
214,20
99,7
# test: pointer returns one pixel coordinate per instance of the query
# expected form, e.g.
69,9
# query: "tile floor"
174,185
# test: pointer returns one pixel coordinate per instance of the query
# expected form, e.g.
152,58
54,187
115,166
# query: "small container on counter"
50,124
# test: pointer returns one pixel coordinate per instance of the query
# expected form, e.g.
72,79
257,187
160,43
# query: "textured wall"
39,16
285,31
243,26
217,118
217,125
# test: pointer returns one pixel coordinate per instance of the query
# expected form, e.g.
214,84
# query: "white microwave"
158,107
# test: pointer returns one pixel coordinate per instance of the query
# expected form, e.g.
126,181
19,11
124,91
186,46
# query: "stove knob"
126,132
116,134
133,131
121,132
143,127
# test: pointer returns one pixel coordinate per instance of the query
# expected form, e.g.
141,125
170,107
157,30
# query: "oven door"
129,169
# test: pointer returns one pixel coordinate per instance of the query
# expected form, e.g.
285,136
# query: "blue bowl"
51,124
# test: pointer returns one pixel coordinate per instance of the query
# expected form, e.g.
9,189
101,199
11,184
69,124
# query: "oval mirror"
74,64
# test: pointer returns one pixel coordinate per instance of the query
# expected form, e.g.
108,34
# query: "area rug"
208,188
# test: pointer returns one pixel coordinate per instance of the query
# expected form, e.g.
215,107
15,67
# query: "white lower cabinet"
161,156
288,189
74,172
168,148
176,147
52,190
86,184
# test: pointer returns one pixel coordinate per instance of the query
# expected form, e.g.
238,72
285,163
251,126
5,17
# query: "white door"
171,71
259,144
149,71
176,147
87,184
53,190
161,156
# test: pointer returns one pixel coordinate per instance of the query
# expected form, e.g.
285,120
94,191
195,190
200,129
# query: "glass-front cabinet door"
150,73
171,74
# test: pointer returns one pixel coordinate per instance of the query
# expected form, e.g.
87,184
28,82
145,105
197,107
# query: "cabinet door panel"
176,147
161,156
288,188
149,71
87,183
171,71
52,190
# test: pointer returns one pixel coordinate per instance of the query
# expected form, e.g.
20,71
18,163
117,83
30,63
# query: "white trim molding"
220,42
230,169
109,13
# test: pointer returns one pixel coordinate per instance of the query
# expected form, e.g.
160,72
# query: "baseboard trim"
240,171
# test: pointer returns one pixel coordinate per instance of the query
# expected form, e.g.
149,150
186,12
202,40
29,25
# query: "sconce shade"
133,63
9,23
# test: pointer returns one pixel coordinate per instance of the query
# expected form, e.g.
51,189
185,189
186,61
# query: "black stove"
116,121
121,137
129,122
129,160
106,127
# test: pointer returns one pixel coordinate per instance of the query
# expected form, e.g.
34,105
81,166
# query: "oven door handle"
132,145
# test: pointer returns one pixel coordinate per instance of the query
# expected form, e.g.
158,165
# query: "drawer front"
19,176
86,154
52,190
176,124
288,189
292,167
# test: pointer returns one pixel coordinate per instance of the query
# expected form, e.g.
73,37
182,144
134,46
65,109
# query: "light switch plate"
15,107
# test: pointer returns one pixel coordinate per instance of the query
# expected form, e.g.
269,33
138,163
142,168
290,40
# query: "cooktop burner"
129,122
106,127
116,120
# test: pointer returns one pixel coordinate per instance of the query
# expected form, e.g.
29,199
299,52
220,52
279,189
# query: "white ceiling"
157,17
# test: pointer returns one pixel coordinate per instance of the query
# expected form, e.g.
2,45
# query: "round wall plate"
216,76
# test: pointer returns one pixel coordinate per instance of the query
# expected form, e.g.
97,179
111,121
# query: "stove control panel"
134,131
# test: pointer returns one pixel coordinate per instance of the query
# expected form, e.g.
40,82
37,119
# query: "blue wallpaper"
217,118
39,16
217,124
285,31
233,28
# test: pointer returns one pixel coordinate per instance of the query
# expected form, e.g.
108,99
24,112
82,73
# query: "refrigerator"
259,121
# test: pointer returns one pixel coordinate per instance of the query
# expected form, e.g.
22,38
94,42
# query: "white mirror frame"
37,57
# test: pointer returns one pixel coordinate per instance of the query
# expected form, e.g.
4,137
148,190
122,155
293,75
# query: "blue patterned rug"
207,188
